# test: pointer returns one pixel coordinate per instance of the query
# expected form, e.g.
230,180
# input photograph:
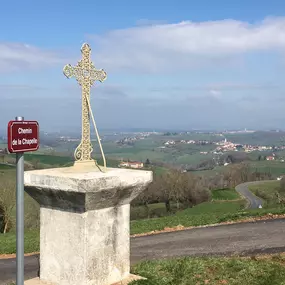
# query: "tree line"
186,189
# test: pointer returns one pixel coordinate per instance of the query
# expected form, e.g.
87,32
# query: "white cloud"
17,56
10,87
215,93
169,46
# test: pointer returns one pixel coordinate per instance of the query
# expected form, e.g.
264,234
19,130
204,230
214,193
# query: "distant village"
131,140
225,146
131,164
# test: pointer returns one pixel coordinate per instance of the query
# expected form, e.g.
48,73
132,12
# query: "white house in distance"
131,164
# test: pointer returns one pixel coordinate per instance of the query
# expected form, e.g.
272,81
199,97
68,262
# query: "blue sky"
170,64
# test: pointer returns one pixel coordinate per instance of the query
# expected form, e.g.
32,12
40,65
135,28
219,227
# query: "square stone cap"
84,180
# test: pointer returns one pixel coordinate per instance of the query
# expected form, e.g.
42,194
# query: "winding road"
235,239
254,201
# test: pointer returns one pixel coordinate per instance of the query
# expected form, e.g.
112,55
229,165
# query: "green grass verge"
267,191
8,242
5,166
202,214
212,271
48,159
270,186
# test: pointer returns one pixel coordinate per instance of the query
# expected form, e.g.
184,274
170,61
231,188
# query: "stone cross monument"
86,74
85,213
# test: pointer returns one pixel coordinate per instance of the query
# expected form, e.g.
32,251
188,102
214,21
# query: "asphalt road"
254,201
241,239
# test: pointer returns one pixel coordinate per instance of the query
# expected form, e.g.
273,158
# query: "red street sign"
23,136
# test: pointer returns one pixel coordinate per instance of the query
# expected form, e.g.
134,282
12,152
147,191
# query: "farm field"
54,160
149,148
258,138
276,168
188,154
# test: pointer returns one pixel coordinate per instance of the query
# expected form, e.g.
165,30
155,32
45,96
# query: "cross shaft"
86,74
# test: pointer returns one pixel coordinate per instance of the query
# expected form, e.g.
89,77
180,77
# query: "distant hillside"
258,138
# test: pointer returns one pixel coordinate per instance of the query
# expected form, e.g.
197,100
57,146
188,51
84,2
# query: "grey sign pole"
20,215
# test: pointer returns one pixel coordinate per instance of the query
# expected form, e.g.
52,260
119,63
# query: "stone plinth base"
85,223
126,281
36,281
129,279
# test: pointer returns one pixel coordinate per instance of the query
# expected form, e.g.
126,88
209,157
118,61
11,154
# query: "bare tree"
146,197
2,157
196,190
242,172
176,181
282,186
164,190
280,199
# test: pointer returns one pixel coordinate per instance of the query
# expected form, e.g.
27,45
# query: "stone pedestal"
85,222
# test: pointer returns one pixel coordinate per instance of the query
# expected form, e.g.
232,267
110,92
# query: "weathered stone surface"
65,189
36,281
85,223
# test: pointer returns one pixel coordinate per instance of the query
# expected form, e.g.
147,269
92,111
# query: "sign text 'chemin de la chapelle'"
23,136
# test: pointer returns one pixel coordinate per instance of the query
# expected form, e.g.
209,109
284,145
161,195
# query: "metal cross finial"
86,74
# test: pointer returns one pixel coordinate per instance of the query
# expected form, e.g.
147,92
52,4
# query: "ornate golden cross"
86,74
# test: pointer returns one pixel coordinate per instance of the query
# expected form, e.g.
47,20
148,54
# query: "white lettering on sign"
24,131
29,141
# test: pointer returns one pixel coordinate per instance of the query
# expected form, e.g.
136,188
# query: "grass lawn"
213,271
5,166
202,214
8,242
225,194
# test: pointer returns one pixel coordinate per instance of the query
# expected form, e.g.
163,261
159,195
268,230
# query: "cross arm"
69,71
99,75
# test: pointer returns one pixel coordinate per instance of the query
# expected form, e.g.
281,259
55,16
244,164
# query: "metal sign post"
22,136
20,214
